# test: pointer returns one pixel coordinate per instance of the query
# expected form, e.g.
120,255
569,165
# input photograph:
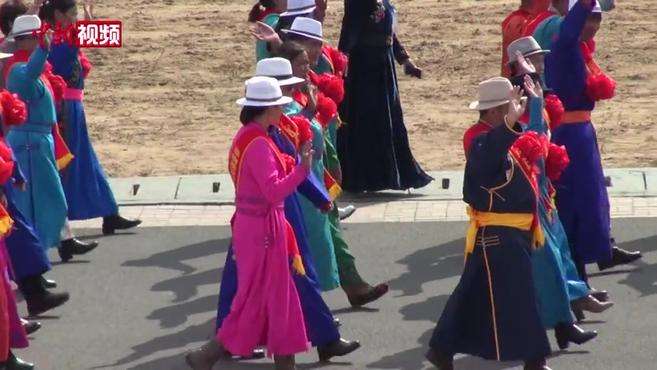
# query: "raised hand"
307,154
263,32
533,89
524,65
517,106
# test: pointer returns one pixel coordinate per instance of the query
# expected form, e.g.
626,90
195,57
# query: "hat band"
302,8
261,100
304,33
493,100
282,77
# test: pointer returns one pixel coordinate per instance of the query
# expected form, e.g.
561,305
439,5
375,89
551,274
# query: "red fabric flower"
530,146
288,162
303,125
85,63
555,110
57,83
600,87
330,85
14,111
338,59
326,109
6,162
557,161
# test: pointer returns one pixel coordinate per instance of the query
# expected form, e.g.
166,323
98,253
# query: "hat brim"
5,55
536,52
291,81
244,102
12,36
477,105
306,35
298,12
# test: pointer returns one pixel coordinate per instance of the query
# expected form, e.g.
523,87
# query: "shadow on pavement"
173,259
644,278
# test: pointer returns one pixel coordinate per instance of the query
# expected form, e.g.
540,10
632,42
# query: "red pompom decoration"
56,82
6,162
84,63
330,85
557,161
326,109
338,59
555,110
303,126
289,162
530,146
14,111
600,87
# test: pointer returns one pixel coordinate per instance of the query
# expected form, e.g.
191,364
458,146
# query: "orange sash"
235,158
577,116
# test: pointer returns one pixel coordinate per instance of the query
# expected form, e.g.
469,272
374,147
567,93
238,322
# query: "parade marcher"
42,203
12,332
373,144
275,21
582,199
266,309
514,25
493,311
289,137
313,104
555,275
87,190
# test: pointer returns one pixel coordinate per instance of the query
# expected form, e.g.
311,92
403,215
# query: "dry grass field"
164,103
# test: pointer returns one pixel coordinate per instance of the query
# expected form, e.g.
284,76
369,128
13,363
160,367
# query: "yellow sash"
522,221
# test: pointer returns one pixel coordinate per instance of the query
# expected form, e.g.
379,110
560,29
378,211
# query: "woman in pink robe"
266,309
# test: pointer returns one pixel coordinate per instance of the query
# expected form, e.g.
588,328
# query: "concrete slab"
206,188
145,190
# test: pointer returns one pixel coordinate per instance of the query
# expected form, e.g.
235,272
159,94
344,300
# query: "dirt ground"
164,103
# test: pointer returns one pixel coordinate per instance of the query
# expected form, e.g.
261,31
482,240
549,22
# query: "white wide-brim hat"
493,93
24,25
263,92
299,7
5,55
278,68
306,27
527,46
596,8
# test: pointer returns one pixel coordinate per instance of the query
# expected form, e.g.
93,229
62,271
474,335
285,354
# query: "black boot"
440,360
31,327
566,333
116,222
15,363
72,247
47,283
536,365
372,294
40,300
619,257
340,347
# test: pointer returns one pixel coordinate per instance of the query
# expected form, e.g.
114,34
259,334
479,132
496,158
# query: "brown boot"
440,360
284,363
536,365
205,357
590,304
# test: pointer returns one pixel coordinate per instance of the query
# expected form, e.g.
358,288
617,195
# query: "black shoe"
47,283
15,363
440,360
31,327
46,301
579,314
372,295
600,295
116,222
340,347
566,333
619,257
72,247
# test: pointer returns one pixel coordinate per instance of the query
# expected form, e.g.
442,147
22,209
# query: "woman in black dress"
373,145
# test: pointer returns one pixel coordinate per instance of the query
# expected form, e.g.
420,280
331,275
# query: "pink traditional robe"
266,310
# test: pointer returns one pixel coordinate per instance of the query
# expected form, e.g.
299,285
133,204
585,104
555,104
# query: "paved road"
141,300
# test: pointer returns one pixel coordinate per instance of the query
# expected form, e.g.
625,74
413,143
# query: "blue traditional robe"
43,203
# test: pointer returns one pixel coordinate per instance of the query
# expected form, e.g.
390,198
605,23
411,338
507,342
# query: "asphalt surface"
140,300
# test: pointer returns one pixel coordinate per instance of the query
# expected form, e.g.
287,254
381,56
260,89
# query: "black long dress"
373,145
